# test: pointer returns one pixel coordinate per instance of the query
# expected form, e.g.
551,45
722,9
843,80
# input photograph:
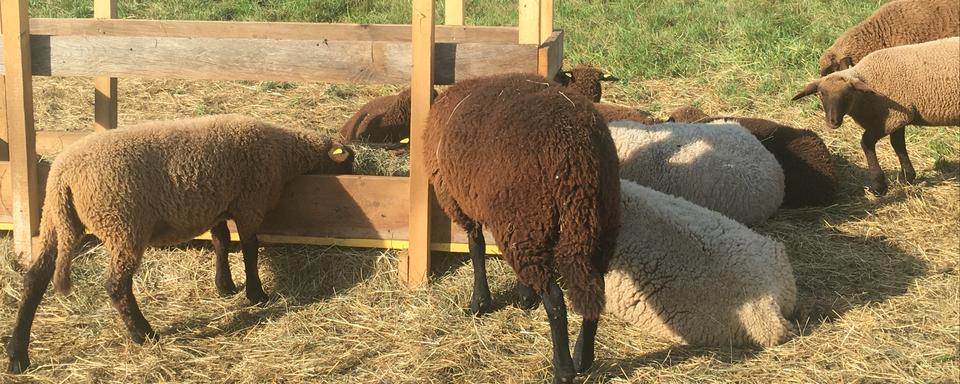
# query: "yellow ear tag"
338,151
405,141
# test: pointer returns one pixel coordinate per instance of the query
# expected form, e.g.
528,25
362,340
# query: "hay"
877,277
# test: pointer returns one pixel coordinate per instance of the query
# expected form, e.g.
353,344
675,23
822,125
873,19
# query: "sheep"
809,177
898,22
163,183
687,273
915,84
614,112
719,166
538,167
385,119
585,80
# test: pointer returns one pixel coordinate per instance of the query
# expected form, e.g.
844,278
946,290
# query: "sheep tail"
60,231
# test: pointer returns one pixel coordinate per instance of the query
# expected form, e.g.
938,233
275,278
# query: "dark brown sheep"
614,112
585,80
808,172
537,166
385,119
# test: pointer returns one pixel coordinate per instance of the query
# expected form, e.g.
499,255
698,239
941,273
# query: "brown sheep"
585,80
889,89
538,167
808,172
898,22
162,183
614,112
385,119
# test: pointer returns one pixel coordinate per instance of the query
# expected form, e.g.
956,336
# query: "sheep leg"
480,301
868,142
35,282
899,144
220,237
119,287
527,297
583,352
553,304
251,247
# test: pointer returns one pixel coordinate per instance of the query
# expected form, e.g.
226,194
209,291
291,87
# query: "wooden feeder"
357,211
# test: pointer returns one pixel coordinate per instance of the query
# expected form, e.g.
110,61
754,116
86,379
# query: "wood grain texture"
105,88
529,21
25,200
262,59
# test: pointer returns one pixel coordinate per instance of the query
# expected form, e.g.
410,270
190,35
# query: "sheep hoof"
879,189
564,379
227,290
141,337
479,307
258,298
18,364
582,361
908,177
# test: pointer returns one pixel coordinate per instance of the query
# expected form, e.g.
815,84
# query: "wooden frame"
364,211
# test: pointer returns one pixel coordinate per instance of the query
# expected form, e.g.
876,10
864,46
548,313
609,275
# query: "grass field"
879,289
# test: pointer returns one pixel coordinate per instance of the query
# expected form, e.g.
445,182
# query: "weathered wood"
369,211
453,12
265,30
105,88
551,55
19,125
415,264
262,59
529,22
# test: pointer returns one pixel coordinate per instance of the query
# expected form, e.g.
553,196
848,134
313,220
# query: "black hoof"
18,364
908,177
582,361
259,298
558,379
479,307
227,289
140,337
879,189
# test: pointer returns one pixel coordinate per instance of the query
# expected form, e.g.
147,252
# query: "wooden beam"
264,30
551,55
546,19
19,125
415,265
105,88
348,210
264,59
529,22
453,12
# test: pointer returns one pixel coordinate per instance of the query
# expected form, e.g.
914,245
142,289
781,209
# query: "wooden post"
105,99
15,26
415,265
546,29
529,23
453,12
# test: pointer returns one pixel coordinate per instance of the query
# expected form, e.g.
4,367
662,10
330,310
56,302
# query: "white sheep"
719,166
163,183
692,275
899,22
916,84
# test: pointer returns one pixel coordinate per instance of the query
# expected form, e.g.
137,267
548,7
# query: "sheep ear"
845,63
807,90
861,86
338,153
609,78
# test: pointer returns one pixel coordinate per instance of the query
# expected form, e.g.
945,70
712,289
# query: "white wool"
721,166
692,275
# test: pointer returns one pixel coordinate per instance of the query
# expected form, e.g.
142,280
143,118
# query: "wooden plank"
265,30
414,266
529,22
350,210
551,55
260,59
546,19
452,12
19,125
105,88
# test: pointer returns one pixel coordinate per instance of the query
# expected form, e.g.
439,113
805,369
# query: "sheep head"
687,114
585,80
830,62
838,94
339,160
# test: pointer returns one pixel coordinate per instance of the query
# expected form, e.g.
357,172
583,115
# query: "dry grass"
878,278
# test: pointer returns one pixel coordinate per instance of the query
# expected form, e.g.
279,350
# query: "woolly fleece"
719,166
690,274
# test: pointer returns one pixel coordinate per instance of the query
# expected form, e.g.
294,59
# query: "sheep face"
838,94
585,80
830,63
338,161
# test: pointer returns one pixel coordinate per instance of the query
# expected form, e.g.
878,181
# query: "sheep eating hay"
898,22
163,183
385,119
916,84
690,274
719,166
538,167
